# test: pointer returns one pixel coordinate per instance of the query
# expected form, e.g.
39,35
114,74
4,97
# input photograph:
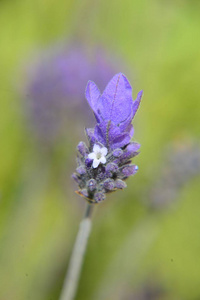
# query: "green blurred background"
133,248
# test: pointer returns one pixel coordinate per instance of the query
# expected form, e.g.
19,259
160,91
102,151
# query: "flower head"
106,163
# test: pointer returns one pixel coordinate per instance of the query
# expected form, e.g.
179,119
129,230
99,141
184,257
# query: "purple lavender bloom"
181,163
55,81
106,163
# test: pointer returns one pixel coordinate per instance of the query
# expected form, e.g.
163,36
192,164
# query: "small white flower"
98,155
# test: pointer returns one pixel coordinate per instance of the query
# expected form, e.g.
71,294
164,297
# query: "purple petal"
92,95
134,108
110,135
133,147
116,102
130,151
121,140
99,135
130,130
136,103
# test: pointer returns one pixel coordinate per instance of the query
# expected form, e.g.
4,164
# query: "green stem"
72,278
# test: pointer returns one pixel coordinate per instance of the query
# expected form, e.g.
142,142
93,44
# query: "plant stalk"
72,278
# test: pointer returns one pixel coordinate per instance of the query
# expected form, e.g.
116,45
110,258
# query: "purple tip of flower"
137,102
114,111
118,93
92,95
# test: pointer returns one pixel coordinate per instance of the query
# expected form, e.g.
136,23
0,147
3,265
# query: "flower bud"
109,184
120,184
91,184
98,197
81,170
82,148
129,170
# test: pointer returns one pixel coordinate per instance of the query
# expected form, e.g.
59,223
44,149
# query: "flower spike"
106,163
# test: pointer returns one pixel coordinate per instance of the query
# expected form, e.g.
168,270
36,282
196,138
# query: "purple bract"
114,111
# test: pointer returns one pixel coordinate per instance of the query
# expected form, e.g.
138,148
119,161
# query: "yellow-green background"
39,213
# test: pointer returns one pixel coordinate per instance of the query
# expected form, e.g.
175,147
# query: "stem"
76,260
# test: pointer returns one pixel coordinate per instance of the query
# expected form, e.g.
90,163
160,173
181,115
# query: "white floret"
98,155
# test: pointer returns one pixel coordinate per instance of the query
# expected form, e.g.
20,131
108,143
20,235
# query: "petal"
92,155
104,151
96,162
96,148
136,103
111,136
106,132
92,95
133,147
130,130
103,160
99,135
123,125
130,151
116,101
121,141
134,108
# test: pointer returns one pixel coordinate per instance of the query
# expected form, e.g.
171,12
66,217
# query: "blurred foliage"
39,213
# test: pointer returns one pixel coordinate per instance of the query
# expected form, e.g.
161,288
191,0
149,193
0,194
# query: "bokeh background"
145,240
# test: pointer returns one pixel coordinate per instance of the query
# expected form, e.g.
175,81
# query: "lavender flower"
54,88
180,164
105,164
